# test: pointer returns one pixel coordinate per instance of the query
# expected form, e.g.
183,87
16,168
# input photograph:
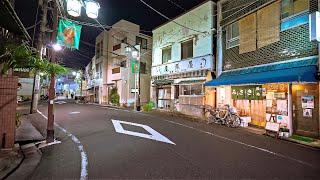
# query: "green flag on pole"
135,66
68,34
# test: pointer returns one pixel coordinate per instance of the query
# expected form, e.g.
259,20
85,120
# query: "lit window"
233,35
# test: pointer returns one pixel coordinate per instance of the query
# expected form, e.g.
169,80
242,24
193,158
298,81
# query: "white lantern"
92,9
74,7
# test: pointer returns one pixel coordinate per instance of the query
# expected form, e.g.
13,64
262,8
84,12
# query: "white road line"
235,141
84,157
153,134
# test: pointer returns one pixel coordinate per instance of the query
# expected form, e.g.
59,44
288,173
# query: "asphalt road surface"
102,143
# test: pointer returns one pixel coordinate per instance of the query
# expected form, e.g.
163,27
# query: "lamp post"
135,54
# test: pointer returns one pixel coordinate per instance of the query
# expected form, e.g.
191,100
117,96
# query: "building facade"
266,64
93,81
111,67
183,60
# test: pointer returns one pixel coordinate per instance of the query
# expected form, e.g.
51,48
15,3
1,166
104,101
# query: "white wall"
171,34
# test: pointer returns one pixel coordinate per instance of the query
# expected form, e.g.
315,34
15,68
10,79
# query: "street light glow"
74,73
135,54
74,8
57,47
92,9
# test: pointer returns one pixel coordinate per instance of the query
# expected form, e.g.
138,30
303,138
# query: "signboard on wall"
189,65
246,92
307,102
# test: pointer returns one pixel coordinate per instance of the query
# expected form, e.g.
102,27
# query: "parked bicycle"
226,115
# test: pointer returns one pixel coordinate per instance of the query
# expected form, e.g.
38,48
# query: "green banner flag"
135,66
68,34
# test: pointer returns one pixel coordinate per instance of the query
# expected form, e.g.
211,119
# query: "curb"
32,156
301,143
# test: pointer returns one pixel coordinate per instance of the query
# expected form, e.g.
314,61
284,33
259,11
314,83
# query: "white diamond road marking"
61,102
154,135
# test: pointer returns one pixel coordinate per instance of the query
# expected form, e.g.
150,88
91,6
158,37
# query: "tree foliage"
14,56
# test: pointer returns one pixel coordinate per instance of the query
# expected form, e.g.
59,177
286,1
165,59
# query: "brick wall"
8,105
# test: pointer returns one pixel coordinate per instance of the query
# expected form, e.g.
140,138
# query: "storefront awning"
296,71
162,82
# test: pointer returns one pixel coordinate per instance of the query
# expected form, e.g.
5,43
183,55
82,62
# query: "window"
232,35
98,71
166,55
143,68
142,42
293,7
116,70
187,49
99,49
191,89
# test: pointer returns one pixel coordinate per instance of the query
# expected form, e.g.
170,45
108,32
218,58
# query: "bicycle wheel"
236,121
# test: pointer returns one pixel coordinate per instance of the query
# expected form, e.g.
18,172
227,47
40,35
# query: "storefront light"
74,8
92,9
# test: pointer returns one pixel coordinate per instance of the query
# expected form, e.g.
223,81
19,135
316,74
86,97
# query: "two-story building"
113,63
266,64
182,60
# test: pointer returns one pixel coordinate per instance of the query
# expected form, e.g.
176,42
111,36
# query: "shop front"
281,94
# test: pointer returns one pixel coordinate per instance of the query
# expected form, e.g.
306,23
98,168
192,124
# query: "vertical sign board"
314,26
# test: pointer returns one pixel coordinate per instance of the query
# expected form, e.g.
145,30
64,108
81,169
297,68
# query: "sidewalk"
20,162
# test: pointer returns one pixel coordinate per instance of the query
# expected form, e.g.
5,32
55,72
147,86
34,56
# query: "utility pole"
41,40
50,125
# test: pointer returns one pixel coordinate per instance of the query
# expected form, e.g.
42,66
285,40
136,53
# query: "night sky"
111,11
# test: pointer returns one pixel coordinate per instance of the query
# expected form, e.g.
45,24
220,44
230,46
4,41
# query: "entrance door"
305,120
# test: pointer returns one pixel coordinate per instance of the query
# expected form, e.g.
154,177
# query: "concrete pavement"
200,150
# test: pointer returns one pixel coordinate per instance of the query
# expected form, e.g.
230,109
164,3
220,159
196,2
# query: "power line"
169,18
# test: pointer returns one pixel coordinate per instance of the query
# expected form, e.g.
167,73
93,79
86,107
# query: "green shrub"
114,97
148,107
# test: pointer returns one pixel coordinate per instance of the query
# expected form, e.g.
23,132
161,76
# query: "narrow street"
197,150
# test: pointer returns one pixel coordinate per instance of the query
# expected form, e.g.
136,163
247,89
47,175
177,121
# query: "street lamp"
57,47
74,73
135,54
74,8
92,9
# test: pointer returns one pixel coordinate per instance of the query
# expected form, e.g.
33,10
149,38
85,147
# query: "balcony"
118,73
119,49
183,66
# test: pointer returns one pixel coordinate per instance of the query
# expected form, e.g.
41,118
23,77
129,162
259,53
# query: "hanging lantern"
74,8
92,9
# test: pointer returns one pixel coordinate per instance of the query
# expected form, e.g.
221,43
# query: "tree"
21,56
